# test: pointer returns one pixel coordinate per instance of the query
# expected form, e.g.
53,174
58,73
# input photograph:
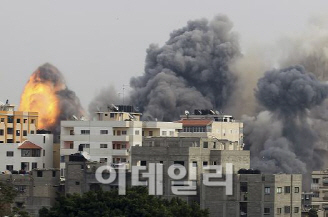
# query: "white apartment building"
110,136
35,152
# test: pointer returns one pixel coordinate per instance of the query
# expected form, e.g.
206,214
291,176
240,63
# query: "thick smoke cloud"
190,71
282,138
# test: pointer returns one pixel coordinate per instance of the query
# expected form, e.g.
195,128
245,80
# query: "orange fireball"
40,96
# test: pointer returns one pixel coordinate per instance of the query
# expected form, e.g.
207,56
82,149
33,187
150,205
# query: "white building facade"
35,152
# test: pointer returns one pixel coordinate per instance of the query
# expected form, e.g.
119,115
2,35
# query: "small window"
34,165
278,210
279,190
137,132
32,121
1,132
267,190
118,132
85,132
194,163
179,163
32,131
2,120
103,146
315,181
25,121
77,183
18,120
296,209
44,153
205,145
10,119
287,209
106,114
171,133
287,189
53,173
163,133
39,174
24,132
143,163
150,133
10,130
103,131
44,139
17,132
10,154
123,132
161,162
266,211
103,160
71,145
10,167
112,115
205,163
62,159
297,190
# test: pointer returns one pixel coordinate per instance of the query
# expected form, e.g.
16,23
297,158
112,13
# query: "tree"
135,203
7,196
313,213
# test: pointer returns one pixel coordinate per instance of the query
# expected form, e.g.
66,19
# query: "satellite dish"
212,112
114,107
86,155
74,117
82,118
187,112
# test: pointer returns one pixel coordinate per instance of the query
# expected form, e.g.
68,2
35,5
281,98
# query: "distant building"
110,137
35,152
256,195
210,124
35,190
16,125
319,187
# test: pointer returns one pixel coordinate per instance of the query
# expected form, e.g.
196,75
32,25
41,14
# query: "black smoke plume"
190,71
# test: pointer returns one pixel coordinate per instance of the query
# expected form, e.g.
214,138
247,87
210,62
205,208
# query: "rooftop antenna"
7,102
74,117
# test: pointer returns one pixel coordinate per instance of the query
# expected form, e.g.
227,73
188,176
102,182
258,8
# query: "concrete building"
110,137
35,190
210,124
16,125
35,152
189,152
319,187
255,195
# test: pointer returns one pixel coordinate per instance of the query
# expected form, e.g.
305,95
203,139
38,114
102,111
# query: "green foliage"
136,203
18,212
313,213
7,196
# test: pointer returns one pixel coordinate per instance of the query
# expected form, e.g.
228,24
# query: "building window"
287,209
77,183
163,133
205,163
39,174
2,120
103,160
296,209
205,145
194,163
161,162
266,211
44,153
10,130
278,210
112,115
10,119
24,132
137,132
315,181
34,165
71,145
18,121
287,189
10,167
279,190
179,163
25,121
32,131
143,163
10,154
103,131
1,132
103,146
54,174
17,132
124,132
315,194
267,190
32,121
62,158
150,133
10,141
297,190
85,132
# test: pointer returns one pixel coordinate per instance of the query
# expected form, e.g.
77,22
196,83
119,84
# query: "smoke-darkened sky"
98,43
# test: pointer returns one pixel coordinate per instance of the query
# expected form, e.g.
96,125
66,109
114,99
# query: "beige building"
256,195
319,187
15,125
209,124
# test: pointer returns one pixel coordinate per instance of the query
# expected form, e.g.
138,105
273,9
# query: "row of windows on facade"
194,129
10,119
123,132
18,132
114,146
267,211
267,190
26,166
181,163
27,153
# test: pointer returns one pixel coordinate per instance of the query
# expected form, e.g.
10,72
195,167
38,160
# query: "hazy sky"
98,43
